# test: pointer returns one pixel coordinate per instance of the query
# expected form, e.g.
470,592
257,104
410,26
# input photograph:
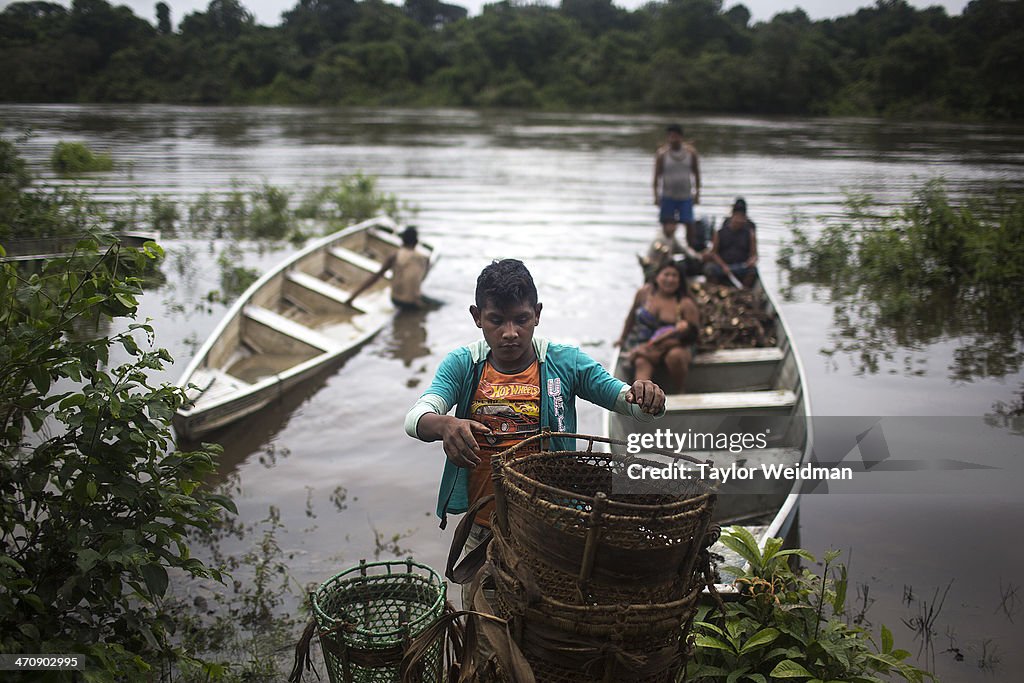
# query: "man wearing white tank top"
677,183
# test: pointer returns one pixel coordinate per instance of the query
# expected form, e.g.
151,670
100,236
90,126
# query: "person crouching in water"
661,328
507,387
409,268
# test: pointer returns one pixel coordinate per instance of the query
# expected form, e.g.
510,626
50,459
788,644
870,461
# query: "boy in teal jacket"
510,385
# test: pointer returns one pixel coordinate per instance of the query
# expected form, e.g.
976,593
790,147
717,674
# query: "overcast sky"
268,12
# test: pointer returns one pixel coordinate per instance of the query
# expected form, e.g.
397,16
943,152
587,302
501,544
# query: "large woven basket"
561,510
367,615
586,643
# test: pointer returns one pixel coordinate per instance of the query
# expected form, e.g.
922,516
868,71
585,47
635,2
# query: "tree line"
889,59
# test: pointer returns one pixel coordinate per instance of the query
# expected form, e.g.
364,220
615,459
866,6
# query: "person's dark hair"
505,283
410,236
674,128
684,289
740,205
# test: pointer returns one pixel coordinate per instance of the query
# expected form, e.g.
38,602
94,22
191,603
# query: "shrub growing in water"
74,157
355,198
931,269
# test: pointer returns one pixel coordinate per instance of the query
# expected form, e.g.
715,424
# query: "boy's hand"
460,441
647,395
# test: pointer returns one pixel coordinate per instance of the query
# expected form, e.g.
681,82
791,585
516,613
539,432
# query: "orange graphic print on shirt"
510,406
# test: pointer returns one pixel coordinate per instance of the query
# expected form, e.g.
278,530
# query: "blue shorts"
676,210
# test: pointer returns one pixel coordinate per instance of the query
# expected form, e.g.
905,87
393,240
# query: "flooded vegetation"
931,269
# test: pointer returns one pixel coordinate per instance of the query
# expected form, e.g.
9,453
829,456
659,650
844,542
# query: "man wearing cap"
410,268
677,183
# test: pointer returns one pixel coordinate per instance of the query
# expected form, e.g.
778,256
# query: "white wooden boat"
290,324
43,248
742,391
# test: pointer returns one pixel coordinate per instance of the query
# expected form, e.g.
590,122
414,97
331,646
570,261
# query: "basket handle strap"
483,623
302,657
463,572
447,630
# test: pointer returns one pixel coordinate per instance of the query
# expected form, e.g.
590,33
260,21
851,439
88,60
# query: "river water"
571,196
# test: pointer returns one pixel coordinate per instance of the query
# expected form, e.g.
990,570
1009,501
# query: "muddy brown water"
571,196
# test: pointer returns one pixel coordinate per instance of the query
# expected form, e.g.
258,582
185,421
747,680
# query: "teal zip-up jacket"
565,373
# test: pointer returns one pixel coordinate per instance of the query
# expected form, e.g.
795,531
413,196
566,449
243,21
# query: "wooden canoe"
742,391
291,324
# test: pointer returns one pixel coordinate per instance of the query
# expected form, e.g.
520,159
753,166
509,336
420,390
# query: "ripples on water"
571,195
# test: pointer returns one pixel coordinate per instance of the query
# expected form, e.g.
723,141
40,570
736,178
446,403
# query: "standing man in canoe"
677,183
508,386
410,268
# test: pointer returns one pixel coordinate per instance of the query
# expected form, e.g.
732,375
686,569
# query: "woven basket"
367,615
560,510
569,643
640,624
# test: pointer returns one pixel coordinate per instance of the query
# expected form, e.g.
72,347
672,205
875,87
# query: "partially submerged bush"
26,213
930,270
975,247
69,158
355,198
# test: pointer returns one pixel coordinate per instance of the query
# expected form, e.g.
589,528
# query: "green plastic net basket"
367,615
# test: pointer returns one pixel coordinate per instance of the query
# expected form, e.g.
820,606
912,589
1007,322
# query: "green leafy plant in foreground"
95,502
789,625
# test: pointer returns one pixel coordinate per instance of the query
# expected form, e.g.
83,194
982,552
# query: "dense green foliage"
96,503
932,270
680,55
70,158
790,625
101,517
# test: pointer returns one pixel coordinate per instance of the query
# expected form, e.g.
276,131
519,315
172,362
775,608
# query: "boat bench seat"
317,285
290,328
735,370
214,383
355,259
731,400
772,354
752,457
386,236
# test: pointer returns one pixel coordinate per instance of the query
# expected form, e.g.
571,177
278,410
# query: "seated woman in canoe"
661,328
733,255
